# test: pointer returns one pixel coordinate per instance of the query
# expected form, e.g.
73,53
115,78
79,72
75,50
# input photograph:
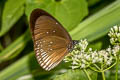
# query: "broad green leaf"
27,67
16,47
16,70
68,12
98,24
77,75
13,10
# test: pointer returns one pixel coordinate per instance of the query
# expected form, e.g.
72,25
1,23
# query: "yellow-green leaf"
68,12
12,11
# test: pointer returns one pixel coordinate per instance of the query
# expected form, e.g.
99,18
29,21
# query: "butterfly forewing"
51,40
47,26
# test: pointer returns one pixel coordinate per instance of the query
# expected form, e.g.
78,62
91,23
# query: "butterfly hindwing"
50,50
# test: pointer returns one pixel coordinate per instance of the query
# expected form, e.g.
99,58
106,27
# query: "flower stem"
87,74
94,69
110,66
103,75
96,66
116,73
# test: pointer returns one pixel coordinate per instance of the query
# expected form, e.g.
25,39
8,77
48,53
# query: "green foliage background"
89,19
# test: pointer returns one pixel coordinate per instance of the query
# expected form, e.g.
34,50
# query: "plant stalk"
116,73
87,74
103,75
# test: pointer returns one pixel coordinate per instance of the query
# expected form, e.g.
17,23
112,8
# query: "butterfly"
51,41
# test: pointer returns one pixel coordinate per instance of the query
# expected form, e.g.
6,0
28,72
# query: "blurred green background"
90,19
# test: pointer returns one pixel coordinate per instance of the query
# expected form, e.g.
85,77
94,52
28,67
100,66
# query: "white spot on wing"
38,57
48,62
49,45
41,50
51,49
43,54
37,48
51,42
50,65
42,64
41,45
54,31
37,53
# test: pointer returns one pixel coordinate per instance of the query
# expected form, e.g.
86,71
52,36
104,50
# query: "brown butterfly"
51,41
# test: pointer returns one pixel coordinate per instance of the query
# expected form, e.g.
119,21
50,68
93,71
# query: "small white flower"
84,61
116,28
108,62
85,55
80,56
83,66
65,61
110,58
114,34
88,57
94,54
100,59
90,49
105,56
83,44
74,63
76,52
119,28
74,67
109,49
115,50
112,40
75,56
96,58
93,61
111,30
118,35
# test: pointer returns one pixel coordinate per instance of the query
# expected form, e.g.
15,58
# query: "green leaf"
98,25
13,10
27,67
76,75
68,12
16,47
16,70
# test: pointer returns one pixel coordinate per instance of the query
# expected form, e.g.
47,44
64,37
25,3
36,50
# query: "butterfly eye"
50,39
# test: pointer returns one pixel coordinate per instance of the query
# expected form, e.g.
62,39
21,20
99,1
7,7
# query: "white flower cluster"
81,57
114,34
